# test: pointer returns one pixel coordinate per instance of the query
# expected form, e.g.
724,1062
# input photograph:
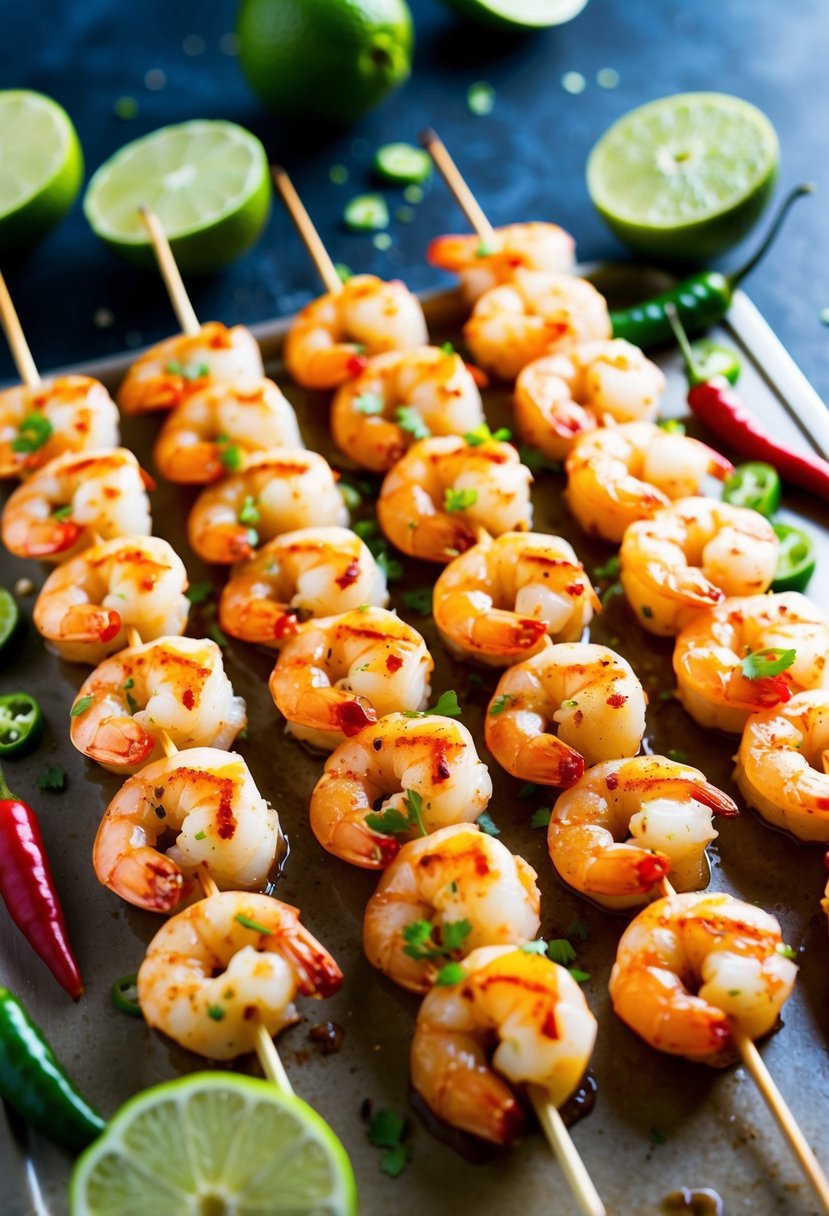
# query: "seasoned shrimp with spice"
167,373
312,572
748,654
562,396
203,805
446,494
229,964
340,673
498,601
690,556
536,314
625,824
42,421
331,337
589,693
443,896
400,397
783,765
279,491
399,778
620,474
74,500
87,605
213,431
691,966
482,263
173,686
514,1018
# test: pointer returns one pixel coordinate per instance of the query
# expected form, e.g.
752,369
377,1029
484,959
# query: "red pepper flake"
393,662
349,575
549,1028
574,589
612,781
616,700
188,698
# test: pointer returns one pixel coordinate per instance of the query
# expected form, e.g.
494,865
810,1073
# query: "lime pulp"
214,1143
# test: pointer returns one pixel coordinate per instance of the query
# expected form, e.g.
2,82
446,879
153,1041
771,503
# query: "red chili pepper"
723,412
28,890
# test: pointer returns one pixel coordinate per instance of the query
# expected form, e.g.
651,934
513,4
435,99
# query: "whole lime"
685,177
325,59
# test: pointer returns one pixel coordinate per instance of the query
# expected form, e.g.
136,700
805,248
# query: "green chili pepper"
20,723
713,359
34,1084
700,300
796,559
755,485
125,995
9,617
366,213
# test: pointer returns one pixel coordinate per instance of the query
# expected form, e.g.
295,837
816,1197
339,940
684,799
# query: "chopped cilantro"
216,1012
528,790
61,513
391,821
672,425
387,1130
419,601
216,633
53,780
452,973
200,836
249,512
785,950
427,943
770,662
197,593
561,951
537,462
609,592
231,457
81,706
390,566
579,930
581,977
677,755
369,403
459,500
541,817
34,431
250,923
536,947
610,569
193,372
482,434
499,704
409,420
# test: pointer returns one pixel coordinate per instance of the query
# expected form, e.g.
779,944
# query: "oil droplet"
328,1036
702,1202
581,1103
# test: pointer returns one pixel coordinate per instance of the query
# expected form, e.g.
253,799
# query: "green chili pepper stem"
736,276
5,792
691,370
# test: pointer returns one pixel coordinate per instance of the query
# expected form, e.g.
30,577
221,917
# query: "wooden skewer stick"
451,174
305,227
567,1155
185,313
755,1066
21,354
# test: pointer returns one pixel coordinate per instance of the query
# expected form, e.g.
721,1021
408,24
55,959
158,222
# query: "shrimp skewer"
331,337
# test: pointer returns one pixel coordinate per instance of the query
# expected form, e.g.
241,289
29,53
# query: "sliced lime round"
207,181
403,163
518,14
684,177
366,213
41,166
214,1142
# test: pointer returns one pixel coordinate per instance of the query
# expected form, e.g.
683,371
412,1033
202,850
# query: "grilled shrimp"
214,429
690,556
445,494
67,414
74,500
534,1014
225,966
536,314
560,397
278,491
482,264
711,652
499,600
457,878
175,686
342,672
690,966
331,337
167,373
397,779
589,692
625,824
402,396
87,605
221,822
309,573
620,474
783,765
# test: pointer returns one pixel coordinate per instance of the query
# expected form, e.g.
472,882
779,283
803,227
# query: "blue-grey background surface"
526,160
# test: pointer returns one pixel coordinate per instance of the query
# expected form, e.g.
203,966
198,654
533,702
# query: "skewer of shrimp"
751,1059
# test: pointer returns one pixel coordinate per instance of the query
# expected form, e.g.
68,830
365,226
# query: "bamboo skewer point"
305,227
461,192
185,313
25,364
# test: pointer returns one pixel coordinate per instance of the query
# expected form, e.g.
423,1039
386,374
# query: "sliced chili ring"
755,485
796,559
713,359
20,723
125,995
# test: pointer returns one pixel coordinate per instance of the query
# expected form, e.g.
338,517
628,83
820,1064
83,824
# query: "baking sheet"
659,1124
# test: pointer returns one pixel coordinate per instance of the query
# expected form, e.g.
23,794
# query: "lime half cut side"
207,182
685,177
214,1144
41,166
519,14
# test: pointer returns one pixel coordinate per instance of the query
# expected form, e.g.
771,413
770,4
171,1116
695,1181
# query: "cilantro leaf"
419,601
394,1160
581,977
537,462
249,512
34,431
386,1130
391,821
579,930
81,706
499,704
459,500
53,780
369,403
482,434
561,951
610,569
541,817
770,662
452,973
409,420
487,824
536,947
447,705
197,593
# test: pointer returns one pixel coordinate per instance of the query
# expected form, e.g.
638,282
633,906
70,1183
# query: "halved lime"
684,177
41,166
214,1144
207,181
518,14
